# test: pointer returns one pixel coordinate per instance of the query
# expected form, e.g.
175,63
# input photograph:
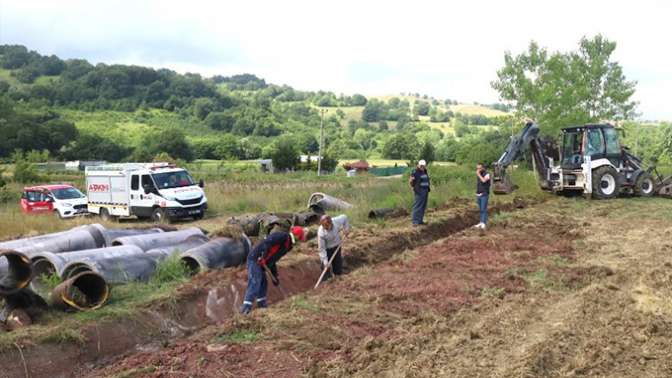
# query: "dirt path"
564,288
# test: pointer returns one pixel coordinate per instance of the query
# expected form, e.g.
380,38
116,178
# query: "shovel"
275,281
328,266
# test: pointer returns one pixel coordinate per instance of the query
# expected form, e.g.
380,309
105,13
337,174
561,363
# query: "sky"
445,49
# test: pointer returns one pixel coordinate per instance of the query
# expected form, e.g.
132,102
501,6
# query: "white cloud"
445,49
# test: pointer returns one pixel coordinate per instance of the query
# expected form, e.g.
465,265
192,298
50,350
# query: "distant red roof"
47,187
361,165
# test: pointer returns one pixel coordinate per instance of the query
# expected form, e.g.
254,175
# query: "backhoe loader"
590,160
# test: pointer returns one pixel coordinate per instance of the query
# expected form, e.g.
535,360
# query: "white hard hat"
422,162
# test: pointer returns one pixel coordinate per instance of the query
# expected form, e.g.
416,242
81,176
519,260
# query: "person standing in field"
329,243
482,194
419,182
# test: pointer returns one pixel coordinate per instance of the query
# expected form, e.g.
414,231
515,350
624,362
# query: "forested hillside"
75,110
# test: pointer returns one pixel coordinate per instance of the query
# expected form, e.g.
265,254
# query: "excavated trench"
210,297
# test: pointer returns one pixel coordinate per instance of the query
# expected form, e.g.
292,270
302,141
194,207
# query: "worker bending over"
329,242
262,260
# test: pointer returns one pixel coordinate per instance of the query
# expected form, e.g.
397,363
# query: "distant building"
266,165
313,158
359,166
80,165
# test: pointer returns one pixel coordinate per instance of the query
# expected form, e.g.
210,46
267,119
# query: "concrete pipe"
306,219
164,239
217,253
112,234
118,269
86,290
320,202
387,213
76,239
46,263
16,273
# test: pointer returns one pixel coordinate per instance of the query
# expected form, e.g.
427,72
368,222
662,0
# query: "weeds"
50,281
302,302
65,335
242,336
170,270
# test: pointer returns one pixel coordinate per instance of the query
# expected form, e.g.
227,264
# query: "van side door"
141,203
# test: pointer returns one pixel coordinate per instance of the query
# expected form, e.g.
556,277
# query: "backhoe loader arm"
528,138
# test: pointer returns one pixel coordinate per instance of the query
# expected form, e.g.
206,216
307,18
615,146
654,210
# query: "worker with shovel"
262,260
330,244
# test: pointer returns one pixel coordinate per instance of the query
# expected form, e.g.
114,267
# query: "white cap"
423,163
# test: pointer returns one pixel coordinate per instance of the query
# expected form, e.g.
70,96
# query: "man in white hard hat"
419,182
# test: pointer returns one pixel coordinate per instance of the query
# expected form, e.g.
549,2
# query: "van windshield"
67,193
176,179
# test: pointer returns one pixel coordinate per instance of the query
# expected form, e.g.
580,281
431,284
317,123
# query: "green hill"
70,106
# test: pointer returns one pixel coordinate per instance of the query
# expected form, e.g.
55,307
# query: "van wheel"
644,186
606,183
106,216
159,216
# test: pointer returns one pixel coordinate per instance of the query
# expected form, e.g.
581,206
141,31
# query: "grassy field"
476,109
130,127
236,193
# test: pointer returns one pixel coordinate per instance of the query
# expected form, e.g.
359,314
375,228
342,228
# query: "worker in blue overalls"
262,260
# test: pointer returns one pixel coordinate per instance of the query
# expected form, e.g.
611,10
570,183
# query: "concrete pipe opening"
43,271
18,273
74,269
192,265
84,291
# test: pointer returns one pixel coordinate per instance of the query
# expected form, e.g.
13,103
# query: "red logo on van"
99,188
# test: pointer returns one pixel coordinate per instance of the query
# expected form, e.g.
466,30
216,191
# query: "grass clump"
241,336
302,302
170,271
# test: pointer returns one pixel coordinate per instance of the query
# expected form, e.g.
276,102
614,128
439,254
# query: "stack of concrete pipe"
88,259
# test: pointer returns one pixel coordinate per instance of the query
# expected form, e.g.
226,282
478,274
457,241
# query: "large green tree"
561,89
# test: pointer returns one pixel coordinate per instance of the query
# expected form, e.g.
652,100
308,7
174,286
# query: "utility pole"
319,157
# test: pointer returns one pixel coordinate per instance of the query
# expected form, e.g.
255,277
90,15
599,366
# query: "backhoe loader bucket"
501,181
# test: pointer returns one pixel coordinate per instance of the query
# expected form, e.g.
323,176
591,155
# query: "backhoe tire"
606,183
645,186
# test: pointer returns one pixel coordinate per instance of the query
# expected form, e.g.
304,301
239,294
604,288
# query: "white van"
157,191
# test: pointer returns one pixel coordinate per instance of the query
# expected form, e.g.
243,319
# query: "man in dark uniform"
263,258
419,181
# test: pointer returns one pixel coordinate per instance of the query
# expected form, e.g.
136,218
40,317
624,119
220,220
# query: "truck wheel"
606,183
105,215
159,216
644,186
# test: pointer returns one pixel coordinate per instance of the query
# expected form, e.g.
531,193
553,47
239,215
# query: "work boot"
246,308
261,303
